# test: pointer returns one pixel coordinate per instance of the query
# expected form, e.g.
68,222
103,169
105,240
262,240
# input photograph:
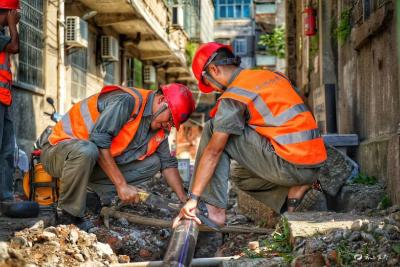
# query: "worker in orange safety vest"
261,123
9,17
112,141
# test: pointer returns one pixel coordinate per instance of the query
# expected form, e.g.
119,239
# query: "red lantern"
309,21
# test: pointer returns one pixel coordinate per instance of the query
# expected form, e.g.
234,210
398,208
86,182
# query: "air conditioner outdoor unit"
149,74
76,32
109,48
177,16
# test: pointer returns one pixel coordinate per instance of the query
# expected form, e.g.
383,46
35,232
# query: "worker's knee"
87,152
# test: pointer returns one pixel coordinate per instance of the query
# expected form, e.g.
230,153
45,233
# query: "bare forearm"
205,170
13,46
174,180
107,163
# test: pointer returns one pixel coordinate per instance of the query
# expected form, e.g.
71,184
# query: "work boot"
82,223
93,203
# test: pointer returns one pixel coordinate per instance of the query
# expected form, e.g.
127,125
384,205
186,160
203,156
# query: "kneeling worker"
123,130
261,123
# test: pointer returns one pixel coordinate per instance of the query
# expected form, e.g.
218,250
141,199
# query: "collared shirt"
4,40
231,117
116,108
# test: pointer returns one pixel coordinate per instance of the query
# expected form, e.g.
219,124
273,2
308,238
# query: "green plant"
396,248
365,179
343,30
274,42
345,255
385,202
190,50
314,45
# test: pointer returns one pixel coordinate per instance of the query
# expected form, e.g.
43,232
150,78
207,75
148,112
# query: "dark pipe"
181,247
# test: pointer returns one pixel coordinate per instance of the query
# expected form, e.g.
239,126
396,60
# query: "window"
240,46
30,59
78,59
232,9
266,8
138,65
109,78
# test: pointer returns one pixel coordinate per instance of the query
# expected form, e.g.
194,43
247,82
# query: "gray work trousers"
259,171
7,147
74,162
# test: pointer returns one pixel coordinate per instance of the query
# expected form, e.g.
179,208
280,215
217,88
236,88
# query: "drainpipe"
181,247
61,88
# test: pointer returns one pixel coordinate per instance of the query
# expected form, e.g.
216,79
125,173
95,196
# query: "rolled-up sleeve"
230,117
117,111
163,152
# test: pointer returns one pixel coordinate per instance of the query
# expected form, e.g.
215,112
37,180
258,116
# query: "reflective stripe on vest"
262,108
5,79
278,113
81,118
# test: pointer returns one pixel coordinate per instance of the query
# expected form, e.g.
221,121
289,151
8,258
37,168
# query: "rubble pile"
64,245
368,242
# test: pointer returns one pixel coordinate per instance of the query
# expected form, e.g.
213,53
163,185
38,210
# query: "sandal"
307,202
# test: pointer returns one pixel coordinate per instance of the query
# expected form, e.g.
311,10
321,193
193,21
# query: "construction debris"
64,245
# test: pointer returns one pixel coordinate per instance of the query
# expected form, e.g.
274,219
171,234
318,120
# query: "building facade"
71,49
350,63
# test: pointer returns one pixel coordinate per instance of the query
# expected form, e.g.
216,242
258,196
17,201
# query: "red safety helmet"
9,4
180,102
200,60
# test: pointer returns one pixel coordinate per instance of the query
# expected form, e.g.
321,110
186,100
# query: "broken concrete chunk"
353,197
4,251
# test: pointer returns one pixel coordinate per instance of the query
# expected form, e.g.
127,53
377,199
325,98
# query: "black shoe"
82,223
93,203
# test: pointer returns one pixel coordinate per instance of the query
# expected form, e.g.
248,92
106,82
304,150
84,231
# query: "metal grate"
78,59
30,60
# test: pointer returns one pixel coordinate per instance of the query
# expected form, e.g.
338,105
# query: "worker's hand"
128,194
13,17
188,211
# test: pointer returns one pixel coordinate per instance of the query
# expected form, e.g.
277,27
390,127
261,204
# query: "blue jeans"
7,146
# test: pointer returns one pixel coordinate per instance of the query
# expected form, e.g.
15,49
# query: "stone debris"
64,245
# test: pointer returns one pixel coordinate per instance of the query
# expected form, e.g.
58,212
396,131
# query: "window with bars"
78,60
240,46
361,10
30,59
109,78
232,9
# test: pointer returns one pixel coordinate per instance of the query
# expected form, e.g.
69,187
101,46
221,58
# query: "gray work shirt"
4,40
116,109
231,117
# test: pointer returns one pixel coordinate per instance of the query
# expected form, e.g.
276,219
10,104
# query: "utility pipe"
181,247
200,262
61,90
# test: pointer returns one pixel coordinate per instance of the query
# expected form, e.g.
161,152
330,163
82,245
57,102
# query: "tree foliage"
274,42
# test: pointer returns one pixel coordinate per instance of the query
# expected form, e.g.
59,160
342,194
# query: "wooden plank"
133,218
341,139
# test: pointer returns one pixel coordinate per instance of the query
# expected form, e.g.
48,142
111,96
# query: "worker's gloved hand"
188,211
128,193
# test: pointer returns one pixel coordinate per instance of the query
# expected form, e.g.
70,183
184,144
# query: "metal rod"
200,262
181,247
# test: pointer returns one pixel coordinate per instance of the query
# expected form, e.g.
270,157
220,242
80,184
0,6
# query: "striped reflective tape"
6,85
66,124
265,112
85,113
297,137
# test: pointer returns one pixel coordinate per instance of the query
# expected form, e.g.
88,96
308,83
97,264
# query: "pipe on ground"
200,262
181,247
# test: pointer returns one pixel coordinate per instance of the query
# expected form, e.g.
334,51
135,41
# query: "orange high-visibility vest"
80,119
5,79
278,113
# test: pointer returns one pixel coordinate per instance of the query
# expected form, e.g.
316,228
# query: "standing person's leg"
135,173
7,147
71,161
